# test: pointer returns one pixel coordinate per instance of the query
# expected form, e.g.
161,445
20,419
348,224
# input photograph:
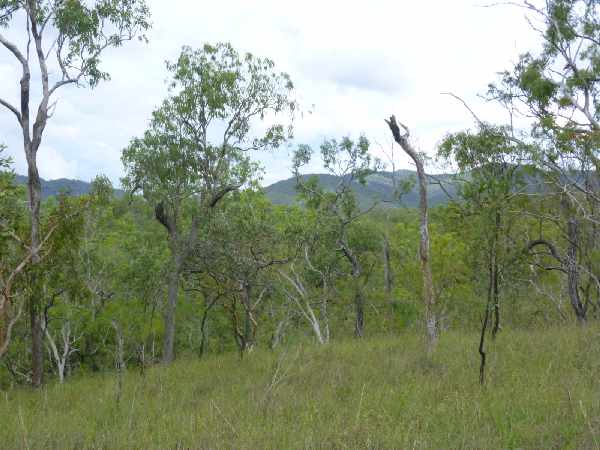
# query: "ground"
542,392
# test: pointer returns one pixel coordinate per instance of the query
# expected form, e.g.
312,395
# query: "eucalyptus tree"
67,39
351,162
308,281
491,184
14,257
246,241
221,106
558,89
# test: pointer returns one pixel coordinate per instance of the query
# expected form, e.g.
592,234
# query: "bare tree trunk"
428,291
61,360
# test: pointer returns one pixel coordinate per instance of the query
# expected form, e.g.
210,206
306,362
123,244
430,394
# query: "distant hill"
379,188
55,187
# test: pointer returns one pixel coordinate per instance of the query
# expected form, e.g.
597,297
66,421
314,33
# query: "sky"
352,63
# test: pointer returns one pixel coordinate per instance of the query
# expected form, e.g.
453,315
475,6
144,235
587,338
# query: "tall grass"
542,391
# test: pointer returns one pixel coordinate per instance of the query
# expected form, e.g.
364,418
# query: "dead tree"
428,292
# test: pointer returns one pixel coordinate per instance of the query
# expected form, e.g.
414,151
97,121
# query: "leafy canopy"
199,138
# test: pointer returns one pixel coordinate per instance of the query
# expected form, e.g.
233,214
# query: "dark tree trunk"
494,273
37,344
170,309
37,336
207,308
359,302
573,270
387,272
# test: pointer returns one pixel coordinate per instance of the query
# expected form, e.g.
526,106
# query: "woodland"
299,324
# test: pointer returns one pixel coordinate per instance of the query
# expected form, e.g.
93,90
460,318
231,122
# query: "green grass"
543,392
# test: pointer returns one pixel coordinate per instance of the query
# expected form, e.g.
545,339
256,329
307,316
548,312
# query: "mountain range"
379,188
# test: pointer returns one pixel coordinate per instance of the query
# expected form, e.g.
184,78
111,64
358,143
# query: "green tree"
351,163
196,148
559,89
491,184
67,39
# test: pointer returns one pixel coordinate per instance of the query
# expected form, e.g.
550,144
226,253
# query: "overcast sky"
356,62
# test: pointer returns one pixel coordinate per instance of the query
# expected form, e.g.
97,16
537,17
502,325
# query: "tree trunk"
387,271
120,364
359,303
484,325
249,327
34,189
170,309
428,292
495,274
37,343
573,270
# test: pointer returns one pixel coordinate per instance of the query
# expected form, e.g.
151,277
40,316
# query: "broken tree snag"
428,294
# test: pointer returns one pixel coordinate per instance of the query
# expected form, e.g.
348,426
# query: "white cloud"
357,62
52,164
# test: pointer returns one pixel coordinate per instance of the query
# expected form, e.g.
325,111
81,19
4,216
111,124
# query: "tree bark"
495,272
387,272
359,303
428,292
573,270
37,343
170,309
249,326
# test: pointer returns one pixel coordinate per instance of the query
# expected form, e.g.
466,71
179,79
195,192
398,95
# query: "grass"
542,392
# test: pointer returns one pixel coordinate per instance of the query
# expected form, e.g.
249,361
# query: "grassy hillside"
542,392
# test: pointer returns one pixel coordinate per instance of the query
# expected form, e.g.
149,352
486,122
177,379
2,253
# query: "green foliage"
84,29
212,89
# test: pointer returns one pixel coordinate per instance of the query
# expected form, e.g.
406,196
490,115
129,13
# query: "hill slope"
542,392
378,188
55,187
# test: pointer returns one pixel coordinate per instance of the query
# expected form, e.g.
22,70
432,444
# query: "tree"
76,35
428,290
14,256
196,148
558,89
491,181
351,163
245,241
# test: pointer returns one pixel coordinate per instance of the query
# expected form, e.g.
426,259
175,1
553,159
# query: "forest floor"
542,392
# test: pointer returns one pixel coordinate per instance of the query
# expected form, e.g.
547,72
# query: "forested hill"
378,188
55,187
